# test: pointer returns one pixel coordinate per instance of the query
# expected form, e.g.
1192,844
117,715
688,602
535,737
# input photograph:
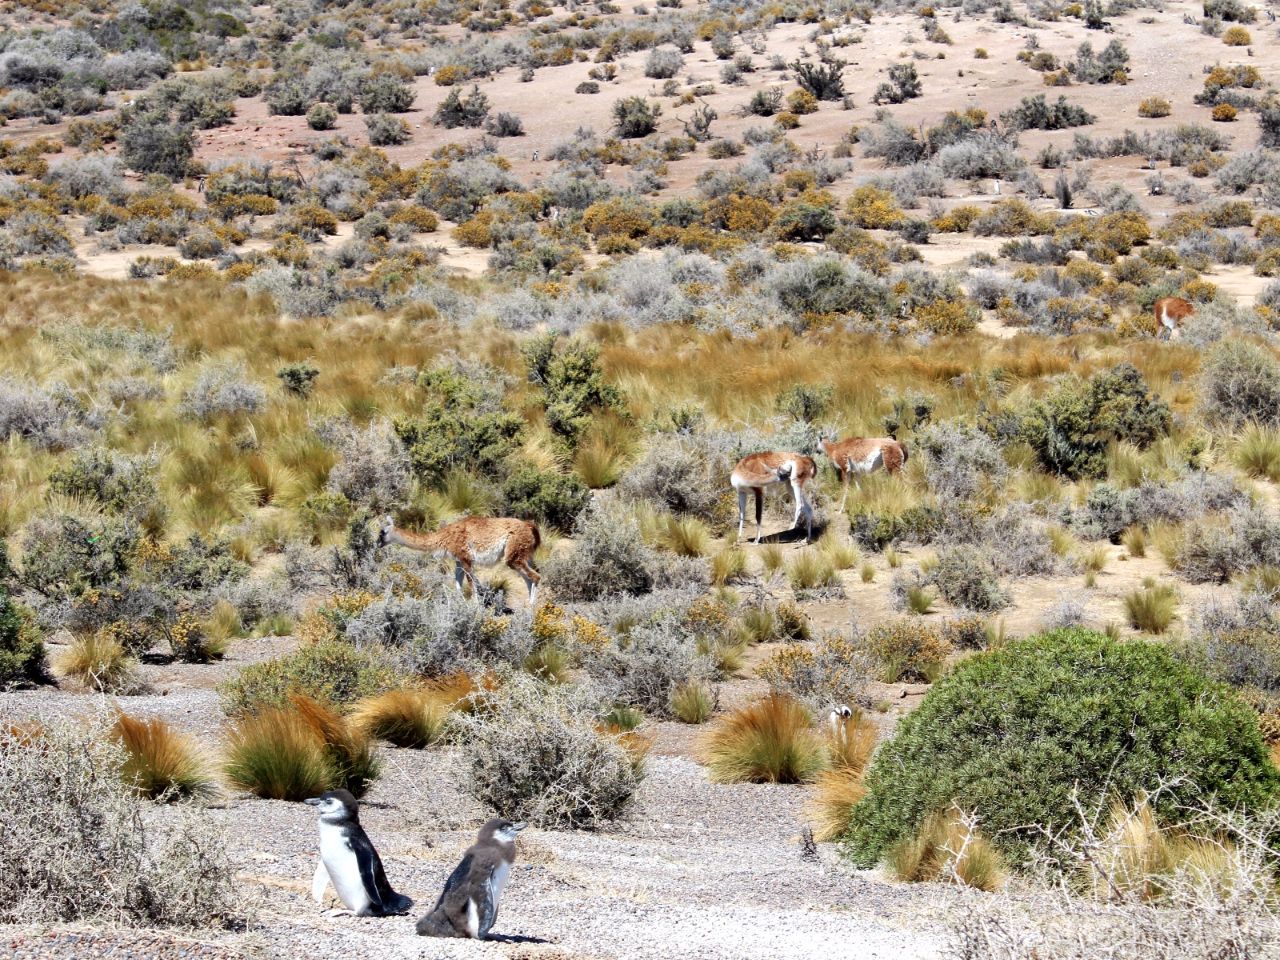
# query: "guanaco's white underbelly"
489,554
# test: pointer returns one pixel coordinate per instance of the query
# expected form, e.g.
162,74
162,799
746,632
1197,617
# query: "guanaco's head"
384,531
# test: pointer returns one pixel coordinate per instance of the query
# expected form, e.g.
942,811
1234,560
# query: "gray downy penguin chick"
349,861
469,904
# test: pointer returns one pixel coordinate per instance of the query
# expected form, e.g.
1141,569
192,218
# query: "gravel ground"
699,871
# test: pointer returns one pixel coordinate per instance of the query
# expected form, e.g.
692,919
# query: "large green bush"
1071,427
1011,734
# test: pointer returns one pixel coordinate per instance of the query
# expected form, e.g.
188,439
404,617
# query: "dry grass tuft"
276,755
98,662
160,762
770,741
413,718
1153,608
948,847
693,703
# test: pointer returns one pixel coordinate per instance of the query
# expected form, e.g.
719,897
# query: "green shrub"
459,111
330,671
1013,734
21,647
634,117
554,499
1071,427
572,383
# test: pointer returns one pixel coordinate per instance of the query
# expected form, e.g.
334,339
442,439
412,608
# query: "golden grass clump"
728,565
948,847
1152,608
1258,452
769,741
684,536
98,662
276,755
1138,857
413,718
160,762
298,751
811,570
693,702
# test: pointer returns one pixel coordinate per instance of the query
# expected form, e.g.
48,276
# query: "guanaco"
861,455
1171,311
472,541
760,470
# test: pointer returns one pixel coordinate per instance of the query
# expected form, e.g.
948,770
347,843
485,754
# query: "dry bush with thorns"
79,845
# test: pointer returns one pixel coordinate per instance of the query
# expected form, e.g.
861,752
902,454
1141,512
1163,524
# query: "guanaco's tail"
537,535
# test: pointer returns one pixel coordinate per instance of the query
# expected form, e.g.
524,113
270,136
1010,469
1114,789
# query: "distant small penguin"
348,860
837,719
469,904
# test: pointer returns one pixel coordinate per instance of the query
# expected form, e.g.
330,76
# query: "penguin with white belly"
349,861
469,904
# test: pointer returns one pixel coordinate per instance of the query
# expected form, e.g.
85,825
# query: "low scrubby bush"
330,671
77,845
536,753
1240,382
1017,734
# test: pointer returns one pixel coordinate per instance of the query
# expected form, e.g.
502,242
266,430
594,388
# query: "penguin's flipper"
383,901
320,882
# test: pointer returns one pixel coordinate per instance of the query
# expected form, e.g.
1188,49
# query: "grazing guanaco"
759,470
472,541
1171,311
859,455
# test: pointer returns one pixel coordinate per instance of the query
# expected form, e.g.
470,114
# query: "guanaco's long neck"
414,541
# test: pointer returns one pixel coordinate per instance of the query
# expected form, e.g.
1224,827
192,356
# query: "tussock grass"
867,573
693,703
728,565
893,558
1258,452
684,536
549,662
621,719
920,599
1138,857
1135,541
98,662
769,741
1061,541
351,752
771,558
1094,560
811,570
160,762
413,718
276,755
830,808
949,848
839,552
1152,608
598,464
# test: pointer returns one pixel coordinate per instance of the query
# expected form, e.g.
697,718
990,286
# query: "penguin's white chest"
343,867
499,882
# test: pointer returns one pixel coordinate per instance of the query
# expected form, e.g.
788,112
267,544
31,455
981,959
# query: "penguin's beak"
519,826
313,801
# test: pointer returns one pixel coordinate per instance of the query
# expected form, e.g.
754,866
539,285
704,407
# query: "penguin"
837,722
469,904
348,860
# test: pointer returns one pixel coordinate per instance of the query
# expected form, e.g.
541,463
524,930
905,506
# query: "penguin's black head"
504,831
336,806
